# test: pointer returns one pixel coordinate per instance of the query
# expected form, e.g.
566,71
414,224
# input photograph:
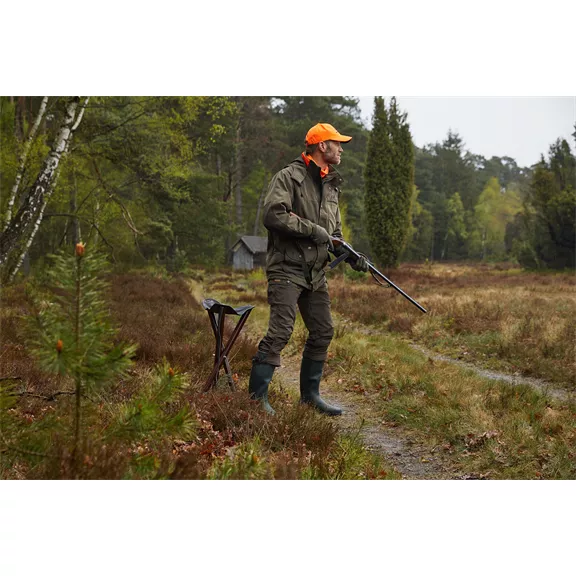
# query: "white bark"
22,163
26,247
33,207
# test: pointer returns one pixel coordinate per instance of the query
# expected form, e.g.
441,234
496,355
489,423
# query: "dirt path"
514,380
409,459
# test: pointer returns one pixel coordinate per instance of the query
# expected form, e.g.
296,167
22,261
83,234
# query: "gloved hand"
320,236
359,264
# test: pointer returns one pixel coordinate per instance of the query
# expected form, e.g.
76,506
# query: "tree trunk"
20,231
238,173
75,224
19,118
259,209
22,162
444,246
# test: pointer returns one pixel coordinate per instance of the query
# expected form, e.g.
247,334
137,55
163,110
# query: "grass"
487,428
498,317
502,318
230,437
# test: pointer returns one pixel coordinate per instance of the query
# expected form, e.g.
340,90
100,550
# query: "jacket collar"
300,170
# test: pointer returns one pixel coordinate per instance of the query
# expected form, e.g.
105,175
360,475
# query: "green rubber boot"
310,375
260,377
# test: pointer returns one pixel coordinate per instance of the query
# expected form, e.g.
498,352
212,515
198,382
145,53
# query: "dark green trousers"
284,298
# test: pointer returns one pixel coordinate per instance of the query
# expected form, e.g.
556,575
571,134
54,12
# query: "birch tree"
21,228
22,161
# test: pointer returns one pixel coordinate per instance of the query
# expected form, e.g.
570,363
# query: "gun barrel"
377,272
380,275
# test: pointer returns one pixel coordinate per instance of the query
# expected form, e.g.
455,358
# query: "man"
302,216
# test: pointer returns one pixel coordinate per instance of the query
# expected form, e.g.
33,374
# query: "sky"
522,128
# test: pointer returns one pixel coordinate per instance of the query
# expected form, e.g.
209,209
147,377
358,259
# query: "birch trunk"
22,163
21,230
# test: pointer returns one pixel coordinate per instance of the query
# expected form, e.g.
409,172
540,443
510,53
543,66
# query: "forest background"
177,180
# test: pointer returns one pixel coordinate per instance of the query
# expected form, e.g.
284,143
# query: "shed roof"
255,244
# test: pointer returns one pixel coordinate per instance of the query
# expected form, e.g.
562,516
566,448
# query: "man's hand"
320,236
360,264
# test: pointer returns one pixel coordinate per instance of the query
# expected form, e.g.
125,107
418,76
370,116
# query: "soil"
409,459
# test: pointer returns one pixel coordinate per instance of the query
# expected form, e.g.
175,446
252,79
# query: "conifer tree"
389,181
72,335
549,218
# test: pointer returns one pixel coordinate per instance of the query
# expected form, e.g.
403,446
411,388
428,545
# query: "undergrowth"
152,421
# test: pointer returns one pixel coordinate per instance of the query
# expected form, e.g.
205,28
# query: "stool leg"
221,355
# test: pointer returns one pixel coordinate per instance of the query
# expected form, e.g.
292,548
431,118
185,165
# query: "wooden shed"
249,253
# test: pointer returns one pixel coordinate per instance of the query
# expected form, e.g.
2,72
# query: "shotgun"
346,251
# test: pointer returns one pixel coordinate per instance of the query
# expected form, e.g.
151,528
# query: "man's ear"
322,146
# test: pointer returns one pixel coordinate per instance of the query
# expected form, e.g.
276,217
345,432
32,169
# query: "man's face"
332,152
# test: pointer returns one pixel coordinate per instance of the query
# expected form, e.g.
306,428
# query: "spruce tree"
389,181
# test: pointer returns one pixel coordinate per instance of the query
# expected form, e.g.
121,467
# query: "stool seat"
210,303
217,312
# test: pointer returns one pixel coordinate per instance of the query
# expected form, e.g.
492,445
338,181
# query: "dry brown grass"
486,428
234,437
501,317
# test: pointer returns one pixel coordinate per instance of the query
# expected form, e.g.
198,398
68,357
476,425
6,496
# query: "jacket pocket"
292,253
275,258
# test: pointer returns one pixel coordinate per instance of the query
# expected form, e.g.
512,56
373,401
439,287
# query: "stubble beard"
331,156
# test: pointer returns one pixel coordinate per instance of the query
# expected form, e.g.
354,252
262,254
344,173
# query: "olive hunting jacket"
297,202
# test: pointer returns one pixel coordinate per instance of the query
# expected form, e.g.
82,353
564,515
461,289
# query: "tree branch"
87,220
20,450
125,212
47,398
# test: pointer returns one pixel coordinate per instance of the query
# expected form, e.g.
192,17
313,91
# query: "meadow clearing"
492,316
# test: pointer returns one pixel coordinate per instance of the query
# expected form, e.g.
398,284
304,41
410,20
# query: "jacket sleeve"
338,230
278,208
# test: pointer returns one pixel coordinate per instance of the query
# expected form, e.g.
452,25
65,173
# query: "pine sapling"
72,335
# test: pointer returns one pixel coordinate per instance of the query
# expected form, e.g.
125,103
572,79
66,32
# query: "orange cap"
322,132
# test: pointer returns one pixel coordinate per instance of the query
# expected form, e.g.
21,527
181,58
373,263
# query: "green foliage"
71,337
548,222
420,233
444,169
154,413
71,334
172,181
389,178
495,209
456,232
244,462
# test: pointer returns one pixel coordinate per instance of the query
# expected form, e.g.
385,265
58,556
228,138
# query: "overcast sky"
522,128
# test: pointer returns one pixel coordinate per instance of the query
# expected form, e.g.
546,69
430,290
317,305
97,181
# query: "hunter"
302,216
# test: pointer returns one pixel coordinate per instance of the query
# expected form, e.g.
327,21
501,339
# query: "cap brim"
341,138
